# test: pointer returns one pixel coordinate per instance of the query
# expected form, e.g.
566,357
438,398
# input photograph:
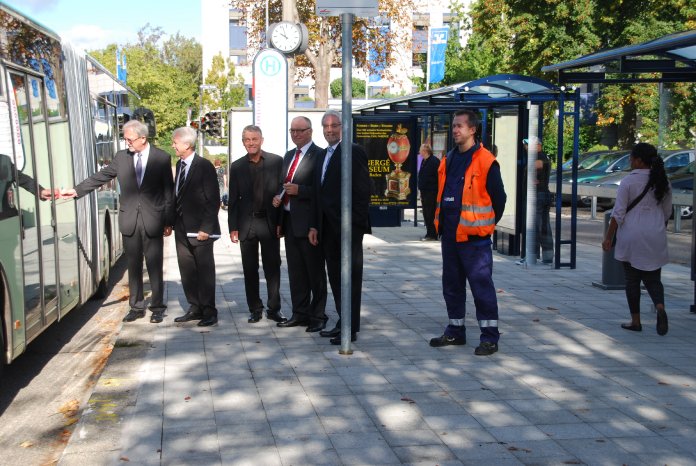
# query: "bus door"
35,204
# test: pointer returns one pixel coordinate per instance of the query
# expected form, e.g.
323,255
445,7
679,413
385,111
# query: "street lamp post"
202,87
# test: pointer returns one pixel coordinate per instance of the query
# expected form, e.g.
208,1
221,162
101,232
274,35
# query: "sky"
93,24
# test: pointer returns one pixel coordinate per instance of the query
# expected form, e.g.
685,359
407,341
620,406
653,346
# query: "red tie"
291,172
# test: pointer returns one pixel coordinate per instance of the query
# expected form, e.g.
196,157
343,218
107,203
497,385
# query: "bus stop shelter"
668,59
505,102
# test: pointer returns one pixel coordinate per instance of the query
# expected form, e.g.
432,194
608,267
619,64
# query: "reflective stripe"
457,322
477,223
488,323
481,209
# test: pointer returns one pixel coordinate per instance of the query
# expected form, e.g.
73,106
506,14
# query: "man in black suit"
144,174
196,227
326,222
305,262
427,184
253,182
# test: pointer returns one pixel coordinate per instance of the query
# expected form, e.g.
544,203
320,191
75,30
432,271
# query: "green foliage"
165,75
358,85
522,36
229,86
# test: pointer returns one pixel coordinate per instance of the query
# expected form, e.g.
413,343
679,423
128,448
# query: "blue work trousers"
462,262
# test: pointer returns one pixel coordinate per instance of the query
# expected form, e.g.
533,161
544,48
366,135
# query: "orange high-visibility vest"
477,216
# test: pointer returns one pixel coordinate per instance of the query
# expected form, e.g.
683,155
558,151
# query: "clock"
288,37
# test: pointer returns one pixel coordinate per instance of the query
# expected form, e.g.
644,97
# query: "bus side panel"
83,164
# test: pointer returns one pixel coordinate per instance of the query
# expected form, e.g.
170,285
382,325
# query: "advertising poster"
391,159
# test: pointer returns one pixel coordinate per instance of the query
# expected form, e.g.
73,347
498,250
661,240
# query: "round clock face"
286,36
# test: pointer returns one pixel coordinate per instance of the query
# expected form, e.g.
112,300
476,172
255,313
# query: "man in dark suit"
305,262
253,182
325,228
427,184
144,174
196,227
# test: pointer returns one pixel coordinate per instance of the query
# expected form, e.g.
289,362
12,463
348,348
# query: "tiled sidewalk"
568,385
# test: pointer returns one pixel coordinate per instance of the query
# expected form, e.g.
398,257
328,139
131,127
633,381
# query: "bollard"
612,270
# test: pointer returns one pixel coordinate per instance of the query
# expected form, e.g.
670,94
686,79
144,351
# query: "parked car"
594,167
682,180
674,161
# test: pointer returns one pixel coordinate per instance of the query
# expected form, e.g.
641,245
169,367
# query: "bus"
60,114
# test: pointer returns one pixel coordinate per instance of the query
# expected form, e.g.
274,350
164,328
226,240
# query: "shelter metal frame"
485,95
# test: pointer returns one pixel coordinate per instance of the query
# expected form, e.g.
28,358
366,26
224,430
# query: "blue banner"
438,46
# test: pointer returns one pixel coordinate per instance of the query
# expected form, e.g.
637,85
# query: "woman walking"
639,221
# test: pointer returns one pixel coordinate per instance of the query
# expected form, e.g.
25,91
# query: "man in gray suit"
144,174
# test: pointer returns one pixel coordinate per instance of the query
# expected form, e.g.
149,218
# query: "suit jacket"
301,205
154,198
427,176
326,203
198,201
241,195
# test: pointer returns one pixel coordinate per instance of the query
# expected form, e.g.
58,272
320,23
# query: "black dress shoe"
316,327
208,321
255,317
134,314
277,316
334,332
635,328
445,340
337,339
293,322
188,316
157,317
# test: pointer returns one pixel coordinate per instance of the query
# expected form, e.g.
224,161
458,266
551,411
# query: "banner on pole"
438,46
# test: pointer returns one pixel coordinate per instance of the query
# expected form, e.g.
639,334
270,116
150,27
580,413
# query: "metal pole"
200,114
346,183
532,249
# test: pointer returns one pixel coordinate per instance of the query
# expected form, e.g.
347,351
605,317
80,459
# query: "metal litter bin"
612,270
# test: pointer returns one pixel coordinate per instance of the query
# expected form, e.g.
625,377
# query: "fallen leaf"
26,444
662,383
405,398
549,308
535,320
70,422
187,398
124,458
70,408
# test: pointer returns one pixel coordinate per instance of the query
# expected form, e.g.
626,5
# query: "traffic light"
215,124
205,123
122,119
194,124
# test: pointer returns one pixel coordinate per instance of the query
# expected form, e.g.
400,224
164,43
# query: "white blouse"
641,238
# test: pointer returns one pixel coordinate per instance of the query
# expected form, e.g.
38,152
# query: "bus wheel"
103,287
4,301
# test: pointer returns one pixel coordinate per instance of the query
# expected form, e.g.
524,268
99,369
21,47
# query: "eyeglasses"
131,141
301,130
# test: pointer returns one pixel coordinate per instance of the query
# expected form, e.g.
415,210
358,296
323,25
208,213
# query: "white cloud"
91,37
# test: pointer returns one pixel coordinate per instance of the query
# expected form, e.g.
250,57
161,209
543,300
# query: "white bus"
59,122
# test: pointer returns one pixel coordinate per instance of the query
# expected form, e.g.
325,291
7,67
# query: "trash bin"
612,270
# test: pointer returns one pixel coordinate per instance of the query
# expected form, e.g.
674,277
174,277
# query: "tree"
165,76
229,86
324,49
358,88
521,36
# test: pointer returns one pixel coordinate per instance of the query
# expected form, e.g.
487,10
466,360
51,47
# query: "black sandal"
634,328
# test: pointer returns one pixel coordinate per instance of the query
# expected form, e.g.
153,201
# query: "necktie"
139,169
182,177
329,153
291,173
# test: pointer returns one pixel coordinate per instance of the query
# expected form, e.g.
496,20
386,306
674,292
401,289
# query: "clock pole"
289,8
